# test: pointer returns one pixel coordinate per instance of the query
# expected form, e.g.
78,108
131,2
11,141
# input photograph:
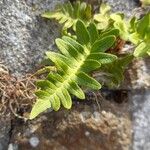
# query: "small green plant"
88,47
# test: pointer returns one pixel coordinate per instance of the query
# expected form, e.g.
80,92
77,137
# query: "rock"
34,141
25,36
140,74
141,119
122,6
108,128
5,128
12,146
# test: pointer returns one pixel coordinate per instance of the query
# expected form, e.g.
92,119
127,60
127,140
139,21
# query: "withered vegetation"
16,94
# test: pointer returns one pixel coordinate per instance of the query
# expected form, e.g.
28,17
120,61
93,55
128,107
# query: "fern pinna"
76,60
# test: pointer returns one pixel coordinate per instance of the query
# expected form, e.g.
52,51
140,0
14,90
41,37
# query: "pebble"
12,146
34,141
96,116
87,133
85,115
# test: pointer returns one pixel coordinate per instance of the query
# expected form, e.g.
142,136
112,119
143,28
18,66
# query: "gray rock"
12,146
34,141
5,127
141,120
24,35
140,76
123,6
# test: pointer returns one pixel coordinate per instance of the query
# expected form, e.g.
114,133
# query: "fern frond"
76,60
68,14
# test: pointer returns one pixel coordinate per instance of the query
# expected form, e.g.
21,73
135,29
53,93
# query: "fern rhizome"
86,48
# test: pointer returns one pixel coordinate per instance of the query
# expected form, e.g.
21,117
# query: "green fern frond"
76,60
68,14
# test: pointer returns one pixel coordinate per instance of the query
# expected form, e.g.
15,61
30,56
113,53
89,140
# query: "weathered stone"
24,35
5,128
83,127
140,74
34,141
122,6
141,119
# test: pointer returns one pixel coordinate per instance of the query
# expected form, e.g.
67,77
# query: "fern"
76,60
68,14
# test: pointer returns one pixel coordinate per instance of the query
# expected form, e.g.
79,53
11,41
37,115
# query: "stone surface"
122,6
141,119
24,35
5,129
34,141
84,127
140,74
